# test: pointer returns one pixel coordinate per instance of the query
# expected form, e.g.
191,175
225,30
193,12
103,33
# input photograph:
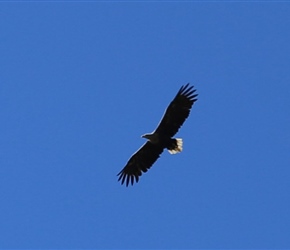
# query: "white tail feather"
178,148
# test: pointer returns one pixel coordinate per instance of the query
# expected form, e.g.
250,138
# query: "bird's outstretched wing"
140,162
177,111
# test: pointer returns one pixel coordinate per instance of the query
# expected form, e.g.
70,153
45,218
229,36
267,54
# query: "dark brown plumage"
175,115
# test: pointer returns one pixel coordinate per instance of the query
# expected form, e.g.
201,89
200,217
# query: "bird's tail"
176,146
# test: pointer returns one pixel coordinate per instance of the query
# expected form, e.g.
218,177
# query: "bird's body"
173,145
175,115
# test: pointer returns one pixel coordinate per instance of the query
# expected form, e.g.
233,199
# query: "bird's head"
151,137
146,136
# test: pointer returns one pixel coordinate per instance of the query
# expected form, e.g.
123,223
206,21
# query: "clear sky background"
80,82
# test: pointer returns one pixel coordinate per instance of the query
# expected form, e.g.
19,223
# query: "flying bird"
173,118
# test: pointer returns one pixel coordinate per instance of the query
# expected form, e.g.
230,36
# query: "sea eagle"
174,116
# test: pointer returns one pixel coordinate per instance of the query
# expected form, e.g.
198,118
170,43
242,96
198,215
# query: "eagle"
162,137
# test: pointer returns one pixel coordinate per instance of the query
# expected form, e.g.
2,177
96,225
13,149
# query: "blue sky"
82,81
